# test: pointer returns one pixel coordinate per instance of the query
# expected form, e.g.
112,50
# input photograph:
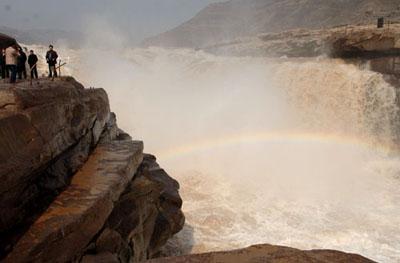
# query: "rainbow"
273,137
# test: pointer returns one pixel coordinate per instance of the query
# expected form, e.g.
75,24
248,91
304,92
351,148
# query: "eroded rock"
147,214
109,210
270,254
79,212
46,133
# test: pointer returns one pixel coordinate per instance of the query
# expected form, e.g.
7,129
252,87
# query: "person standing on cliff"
12,62
21,64
51,58
5,74
32,61
2,65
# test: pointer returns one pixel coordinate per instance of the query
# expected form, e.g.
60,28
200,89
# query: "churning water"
290,152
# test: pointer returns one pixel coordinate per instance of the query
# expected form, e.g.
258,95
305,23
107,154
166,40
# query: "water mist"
289,152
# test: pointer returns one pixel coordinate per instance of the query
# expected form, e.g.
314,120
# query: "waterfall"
296,152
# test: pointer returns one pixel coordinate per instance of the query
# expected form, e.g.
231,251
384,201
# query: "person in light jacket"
5,74
12,55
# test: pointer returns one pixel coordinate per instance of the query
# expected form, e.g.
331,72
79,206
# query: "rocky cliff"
73,186
226,21
366,45
366,41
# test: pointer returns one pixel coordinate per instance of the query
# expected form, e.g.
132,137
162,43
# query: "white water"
266,151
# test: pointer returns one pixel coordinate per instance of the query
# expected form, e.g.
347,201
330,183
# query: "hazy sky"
138,18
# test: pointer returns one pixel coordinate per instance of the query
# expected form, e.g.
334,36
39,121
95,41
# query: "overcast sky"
138,18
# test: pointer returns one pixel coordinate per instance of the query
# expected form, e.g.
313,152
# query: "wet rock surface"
270,254
46,133
74,186
79,212
147,214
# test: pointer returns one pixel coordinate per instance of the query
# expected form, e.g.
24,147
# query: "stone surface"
100,258
47,132
343,41
79,212
73,186
270,254
147,214
365,41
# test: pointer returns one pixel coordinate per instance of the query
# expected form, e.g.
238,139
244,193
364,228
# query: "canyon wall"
229,20
367,46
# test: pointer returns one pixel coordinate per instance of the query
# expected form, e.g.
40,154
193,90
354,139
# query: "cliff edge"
73,186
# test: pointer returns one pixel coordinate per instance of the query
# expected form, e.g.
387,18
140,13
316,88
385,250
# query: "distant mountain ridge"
226,21
42,36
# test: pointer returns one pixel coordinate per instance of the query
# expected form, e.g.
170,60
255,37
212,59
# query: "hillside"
44,37
229,20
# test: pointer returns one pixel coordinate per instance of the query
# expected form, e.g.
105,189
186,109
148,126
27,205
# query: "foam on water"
302,193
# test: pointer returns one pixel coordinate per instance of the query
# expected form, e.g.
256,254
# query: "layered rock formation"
270,254
229,20
45,136
286,28
73,186
368,46
345,41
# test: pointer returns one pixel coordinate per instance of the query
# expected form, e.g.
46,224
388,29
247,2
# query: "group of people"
13,63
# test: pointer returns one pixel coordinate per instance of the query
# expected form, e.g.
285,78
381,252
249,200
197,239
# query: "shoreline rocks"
270,254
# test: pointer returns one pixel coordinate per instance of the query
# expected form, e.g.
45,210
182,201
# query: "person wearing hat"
51,58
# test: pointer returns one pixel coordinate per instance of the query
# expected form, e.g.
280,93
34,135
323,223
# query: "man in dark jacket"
3,68
21,67
51,58
32,61
2,64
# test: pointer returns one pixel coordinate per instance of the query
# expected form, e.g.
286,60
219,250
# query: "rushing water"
291,152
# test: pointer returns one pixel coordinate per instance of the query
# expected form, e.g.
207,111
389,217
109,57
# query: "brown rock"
46,134
79,213
270,254
71,186
146,215
109,241
106,257
364,41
